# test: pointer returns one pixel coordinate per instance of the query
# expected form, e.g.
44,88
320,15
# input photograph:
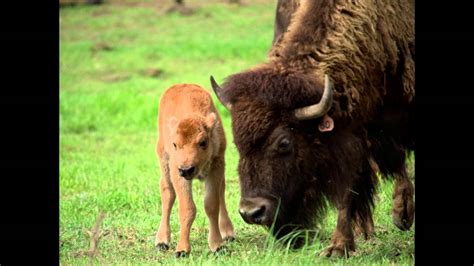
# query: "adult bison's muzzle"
257,210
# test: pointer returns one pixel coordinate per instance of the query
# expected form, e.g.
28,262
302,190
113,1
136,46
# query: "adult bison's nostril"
254,216
186,171
256,210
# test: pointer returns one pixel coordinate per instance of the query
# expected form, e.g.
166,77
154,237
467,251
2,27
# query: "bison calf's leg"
342,241
168,196
403,211
211,205
225,225
186,210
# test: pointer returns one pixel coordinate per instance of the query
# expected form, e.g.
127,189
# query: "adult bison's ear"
326,124
219,93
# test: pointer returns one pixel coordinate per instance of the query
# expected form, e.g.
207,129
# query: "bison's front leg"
168,196
186,210
342,241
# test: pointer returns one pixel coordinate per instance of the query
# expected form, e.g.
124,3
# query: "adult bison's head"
278,123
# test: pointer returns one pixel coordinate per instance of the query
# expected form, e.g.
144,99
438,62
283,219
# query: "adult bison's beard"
295,219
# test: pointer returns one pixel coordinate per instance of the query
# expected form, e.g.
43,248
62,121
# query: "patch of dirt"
101,46
70,3
128,237
153,72
115,77
101,12
80,129
181,9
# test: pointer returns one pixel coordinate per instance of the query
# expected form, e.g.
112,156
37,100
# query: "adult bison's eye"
174,145
203,144
284,145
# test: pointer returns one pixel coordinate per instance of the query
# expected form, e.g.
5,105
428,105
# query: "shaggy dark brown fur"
367,48
283,14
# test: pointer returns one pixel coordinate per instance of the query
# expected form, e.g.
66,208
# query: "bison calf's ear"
326,124
211,120
172,123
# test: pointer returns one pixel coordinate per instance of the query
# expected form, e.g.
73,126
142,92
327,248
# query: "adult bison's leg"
186,211
390,156
356,208
365,226
403,211
342,241
363,201
168,196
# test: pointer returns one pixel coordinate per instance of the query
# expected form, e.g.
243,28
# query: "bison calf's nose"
186,171
255,211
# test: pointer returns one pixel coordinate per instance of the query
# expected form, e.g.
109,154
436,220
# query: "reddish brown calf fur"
191,144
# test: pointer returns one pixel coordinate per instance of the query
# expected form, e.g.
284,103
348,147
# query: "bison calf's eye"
203,144
174,145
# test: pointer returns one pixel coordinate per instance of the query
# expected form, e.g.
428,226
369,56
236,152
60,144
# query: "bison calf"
191,144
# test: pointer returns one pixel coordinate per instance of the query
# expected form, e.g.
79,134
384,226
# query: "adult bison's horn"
219,91
319,109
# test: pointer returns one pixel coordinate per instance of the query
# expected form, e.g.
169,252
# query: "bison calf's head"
278,122
190,140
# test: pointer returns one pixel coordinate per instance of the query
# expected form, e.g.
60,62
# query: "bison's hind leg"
390,153
225,225
393,164
403,211
212,204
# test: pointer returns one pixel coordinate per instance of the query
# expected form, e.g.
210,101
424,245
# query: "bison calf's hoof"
181,254
220,251
162,246
229,239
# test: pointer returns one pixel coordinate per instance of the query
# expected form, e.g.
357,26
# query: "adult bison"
333,105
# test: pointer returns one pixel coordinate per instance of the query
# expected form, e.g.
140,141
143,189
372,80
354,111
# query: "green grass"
108,112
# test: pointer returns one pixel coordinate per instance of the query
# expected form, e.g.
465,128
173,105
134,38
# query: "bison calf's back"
191,144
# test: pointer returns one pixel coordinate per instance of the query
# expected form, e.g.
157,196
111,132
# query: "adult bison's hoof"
181,254
402,222
335,252
403,211
162,246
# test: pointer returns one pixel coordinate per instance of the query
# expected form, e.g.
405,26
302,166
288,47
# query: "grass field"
115,61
